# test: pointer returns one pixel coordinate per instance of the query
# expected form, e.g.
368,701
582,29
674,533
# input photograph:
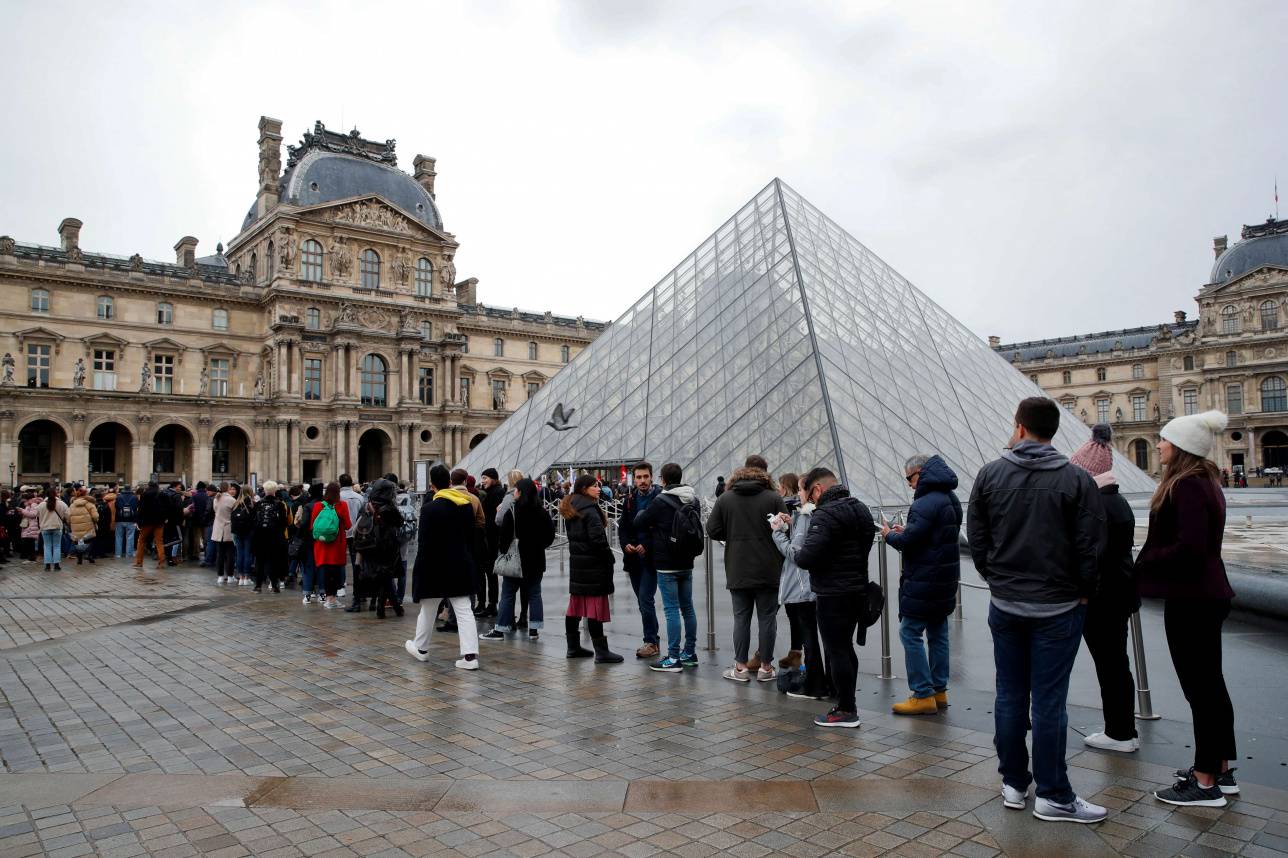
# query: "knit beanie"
1096,456
491,473
1194,433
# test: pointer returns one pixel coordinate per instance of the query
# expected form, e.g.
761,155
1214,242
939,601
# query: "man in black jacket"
638,558
835,554
1035,527
493,494
152,516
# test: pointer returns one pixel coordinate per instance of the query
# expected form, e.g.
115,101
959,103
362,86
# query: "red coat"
332,553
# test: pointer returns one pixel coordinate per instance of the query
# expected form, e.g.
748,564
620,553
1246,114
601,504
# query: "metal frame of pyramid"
782,335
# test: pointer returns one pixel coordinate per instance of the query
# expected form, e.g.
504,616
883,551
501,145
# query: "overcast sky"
1039,170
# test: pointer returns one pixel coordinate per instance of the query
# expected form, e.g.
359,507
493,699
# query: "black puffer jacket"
590,560
1117,589
492,497
741,519
932,561
836,548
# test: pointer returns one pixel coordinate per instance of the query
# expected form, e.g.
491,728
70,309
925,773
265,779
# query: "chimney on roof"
1219,244
69,232
1179,315
185,252
270,164
994,342
424,172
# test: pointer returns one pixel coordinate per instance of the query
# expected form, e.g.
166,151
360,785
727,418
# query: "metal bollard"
711,594
883,573
957,611
1143,698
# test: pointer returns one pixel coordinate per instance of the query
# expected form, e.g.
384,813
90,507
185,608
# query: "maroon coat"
1182,554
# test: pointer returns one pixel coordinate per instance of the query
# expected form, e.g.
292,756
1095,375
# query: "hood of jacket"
456,494
383,493
682,493
750,481
1034,456
1107,483
936,476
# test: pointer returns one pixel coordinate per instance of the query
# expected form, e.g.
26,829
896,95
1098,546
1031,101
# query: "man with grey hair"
928,582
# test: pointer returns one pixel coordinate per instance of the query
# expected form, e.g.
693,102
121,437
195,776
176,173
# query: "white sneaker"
339,594
307,598
1013,798
1104,743
466,663
1077,811
410,646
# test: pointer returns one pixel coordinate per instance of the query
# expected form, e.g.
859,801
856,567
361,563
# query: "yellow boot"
941,699
916,706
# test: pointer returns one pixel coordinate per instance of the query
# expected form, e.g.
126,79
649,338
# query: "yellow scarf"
456,496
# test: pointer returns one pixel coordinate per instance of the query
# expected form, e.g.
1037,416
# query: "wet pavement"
159,713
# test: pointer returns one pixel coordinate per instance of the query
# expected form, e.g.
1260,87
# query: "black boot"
603,655
572,626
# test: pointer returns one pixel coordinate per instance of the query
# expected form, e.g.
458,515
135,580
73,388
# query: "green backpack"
326,527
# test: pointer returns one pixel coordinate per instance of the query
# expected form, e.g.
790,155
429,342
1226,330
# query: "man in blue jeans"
1035,527
928,580
674,565
637,558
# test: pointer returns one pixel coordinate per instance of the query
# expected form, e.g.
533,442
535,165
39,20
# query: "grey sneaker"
1225,780
1012,797
1076,811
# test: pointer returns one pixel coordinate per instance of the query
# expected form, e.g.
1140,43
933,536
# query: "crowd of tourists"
1050,535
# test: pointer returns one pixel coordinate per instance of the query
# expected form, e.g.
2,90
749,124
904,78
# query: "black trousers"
1105,631
270,560
804,620
224,558
1194,638
838,619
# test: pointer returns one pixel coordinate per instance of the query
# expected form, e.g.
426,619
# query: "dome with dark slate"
327,166
1262,244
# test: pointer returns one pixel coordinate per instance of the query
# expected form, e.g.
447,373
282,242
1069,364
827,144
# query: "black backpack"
242,520
687,536
268,517
127,506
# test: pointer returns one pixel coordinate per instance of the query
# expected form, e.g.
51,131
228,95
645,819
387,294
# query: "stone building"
1232,357
331,335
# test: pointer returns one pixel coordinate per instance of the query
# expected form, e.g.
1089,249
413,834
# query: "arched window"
1230,320
424,277
426,330
1231,359
1066,377
1101,373
40,300
1274,394
1269,316
311,261
165,313
313,318
532,351
272,261
373,380
369,266
1188,362
563,354
104,308
254,268
498,347
1141,448
219,320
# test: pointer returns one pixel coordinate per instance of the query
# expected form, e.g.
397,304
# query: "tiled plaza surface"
157,713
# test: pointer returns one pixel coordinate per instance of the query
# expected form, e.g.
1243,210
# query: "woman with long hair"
1181,563
242,524
329,556
590,570
534,529
51,517
221,533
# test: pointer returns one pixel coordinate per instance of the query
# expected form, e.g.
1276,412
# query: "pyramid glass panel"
782,335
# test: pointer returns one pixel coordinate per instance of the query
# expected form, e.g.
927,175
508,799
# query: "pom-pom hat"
1194,433
1096,456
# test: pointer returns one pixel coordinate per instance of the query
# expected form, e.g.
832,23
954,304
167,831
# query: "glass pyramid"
780,335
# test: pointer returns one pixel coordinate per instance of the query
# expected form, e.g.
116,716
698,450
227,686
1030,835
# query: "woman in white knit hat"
1181,563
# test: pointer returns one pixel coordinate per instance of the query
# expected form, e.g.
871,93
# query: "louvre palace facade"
331,334
1232,355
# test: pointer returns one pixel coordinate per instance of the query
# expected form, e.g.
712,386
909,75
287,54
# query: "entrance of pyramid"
612,473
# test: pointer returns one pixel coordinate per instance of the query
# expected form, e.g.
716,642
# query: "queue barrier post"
710,564
1144,700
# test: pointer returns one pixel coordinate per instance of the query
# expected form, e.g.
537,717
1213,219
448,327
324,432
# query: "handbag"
507,565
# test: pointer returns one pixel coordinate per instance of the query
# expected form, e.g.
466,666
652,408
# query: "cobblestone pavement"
156,713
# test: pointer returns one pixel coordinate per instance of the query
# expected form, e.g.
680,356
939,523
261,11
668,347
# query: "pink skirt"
590,607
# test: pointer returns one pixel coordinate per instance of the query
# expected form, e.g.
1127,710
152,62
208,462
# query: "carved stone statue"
6,245
1118,415
8,364
145,379
404,319
402,268
348,315
286,251
1249,313
78,374
203,383
1156,413
74,254
341,258
449,273
259,385
136,262
498,399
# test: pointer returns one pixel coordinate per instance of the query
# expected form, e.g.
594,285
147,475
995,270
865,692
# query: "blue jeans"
53,543
505,611
208,553
677,602
644,583
125,533
925,679
245,557
1034,658
310,581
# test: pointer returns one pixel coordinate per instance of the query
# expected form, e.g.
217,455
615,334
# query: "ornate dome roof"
1263,244
327,166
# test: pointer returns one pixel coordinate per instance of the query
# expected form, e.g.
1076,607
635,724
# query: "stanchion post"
957,611
708,552
1143,698
884,575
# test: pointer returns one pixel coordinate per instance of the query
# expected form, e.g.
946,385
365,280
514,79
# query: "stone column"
8,445
293,367
337,355
445,375
281,377
292,451
337,449
76,459
201,456
141,456
352,386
